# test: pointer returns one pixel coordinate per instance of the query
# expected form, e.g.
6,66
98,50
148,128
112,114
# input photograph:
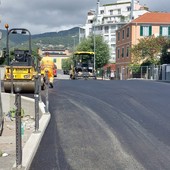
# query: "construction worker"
47,64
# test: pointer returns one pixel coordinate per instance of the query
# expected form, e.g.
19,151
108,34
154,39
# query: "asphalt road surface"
106,125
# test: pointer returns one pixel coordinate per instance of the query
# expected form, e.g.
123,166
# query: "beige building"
57,55
149,24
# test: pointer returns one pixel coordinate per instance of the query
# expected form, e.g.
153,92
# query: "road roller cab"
23,71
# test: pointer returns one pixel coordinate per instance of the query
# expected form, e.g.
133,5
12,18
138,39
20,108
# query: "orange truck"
47,64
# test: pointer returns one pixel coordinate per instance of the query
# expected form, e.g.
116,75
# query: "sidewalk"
30,140
8,141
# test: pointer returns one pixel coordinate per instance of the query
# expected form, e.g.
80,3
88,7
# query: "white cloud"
41,16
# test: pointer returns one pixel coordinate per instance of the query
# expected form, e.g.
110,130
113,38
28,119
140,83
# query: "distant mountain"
53,39
69,32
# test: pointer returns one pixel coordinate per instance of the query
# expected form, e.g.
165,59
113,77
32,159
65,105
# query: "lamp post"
7,45
74,36
94,42
81,33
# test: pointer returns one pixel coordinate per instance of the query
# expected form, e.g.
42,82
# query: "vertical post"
46,92
79,35
141,72
36,96
18,130
12,85
1,111
94,41
7,45
39,80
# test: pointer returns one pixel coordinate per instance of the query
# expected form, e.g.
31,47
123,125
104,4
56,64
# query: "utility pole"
94,32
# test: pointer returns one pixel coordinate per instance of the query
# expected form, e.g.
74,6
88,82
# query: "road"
106,125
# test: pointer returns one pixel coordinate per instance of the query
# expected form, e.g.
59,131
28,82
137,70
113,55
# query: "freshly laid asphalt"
106,125
114,125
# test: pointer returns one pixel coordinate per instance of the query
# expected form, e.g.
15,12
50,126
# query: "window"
102,12
111,12
123,34
165,30
113,28
119,11
54,60
113,47
106,29
122,51
118,53
127,32
118,36
112,38
145,30
129,8
127,51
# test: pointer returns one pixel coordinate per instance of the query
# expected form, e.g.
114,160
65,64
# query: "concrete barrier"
27,104
2,72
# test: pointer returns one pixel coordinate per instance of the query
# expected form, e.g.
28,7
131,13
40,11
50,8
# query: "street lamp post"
81,33
74,41
94,42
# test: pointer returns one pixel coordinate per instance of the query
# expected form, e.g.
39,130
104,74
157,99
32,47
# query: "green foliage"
61,39
66,64
165,58
148,48
1,153
135,68
102,52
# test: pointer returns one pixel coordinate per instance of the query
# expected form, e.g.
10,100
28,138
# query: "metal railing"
141,72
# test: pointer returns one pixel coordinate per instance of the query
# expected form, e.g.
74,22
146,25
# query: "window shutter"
141,30
169,31
150,30
160,30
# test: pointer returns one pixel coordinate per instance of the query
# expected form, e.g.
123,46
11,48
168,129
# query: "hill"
62,39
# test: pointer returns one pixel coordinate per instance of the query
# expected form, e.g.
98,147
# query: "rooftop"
153,17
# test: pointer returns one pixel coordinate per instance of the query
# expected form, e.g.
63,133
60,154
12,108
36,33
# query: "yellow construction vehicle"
20,71
83,65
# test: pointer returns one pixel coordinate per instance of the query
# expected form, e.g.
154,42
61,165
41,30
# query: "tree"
102,52
148,49
165,57
66,64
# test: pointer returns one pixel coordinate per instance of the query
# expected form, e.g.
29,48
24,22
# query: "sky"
40,16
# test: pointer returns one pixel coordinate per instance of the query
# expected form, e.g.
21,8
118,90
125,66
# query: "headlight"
27,76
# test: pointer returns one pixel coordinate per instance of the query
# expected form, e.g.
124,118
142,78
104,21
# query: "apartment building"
153,23
110,17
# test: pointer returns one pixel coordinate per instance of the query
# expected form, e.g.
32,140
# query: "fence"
141,72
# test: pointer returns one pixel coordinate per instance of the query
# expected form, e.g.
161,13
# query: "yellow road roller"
21,70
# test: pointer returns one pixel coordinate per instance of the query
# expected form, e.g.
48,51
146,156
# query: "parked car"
55,71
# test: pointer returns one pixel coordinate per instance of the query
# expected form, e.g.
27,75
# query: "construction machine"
83,65
21,69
